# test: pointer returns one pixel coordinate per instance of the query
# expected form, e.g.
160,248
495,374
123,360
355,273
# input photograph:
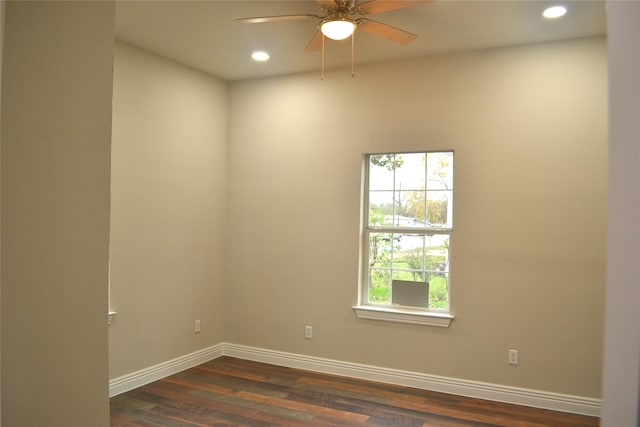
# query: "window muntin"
408,225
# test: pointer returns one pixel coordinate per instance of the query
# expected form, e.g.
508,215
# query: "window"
408,224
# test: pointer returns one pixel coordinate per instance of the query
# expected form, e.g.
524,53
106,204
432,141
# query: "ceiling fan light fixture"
338,29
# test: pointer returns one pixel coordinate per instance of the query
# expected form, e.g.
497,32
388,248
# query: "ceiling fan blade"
378,6
387,31
315,43
281,18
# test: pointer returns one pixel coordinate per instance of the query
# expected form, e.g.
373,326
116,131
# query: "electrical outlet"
308,332
513,357
196,326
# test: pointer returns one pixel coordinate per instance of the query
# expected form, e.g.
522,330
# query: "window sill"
441,320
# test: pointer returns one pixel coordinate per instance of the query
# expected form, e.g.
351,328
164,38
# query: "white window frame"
399,314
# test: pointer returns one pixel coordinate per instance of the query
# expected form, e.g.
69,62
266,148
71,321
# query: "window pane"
381,171
409,257
439,208
437,260
410,172
410,208
437,243
379,286
381,249
411,242
380,208
440,171
438,291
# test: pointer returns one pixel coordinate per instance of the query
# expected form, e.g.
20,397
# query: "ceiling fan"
340,20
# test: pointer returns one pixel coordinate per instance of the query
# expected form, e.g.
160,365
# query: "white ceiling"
206,36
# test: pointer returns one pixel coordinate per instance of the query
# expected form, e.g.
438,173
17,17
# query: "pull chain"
322,72
353,49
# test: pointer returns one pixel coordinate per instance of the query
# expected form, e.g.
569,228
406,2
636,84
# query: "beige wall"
2,7
56,134
529,130
168,210
621,385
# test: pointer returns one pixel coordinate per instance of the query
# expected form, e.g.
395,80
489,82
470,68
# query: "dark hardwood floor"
235,392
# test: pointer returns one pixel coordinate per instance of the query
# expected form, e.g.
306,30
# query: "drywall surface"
529,130
56,133
2,6
168,210
621,383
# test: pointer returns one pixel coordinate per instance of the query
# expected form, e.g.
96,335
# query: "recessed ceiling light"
260,56
554,12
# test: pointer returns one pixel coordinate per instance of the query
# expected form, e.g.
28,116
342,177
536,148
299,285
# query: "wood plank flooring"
235,392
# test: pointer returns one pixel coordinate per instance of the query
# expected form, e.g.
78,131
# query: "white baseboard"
145,376
481,390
